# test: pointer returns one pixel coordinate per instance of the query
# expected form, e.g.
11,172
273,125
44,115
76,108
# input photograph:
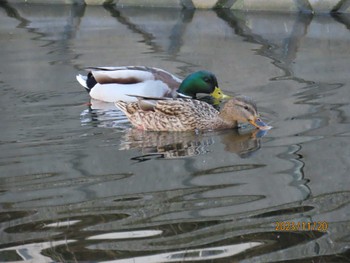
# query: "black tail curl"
90,82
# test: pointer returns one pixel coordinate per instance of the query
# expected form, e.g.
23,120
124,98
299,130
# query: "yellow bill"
218,94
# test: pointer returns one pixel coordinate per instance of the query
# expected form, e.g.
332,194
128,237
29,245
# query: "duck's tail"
88,82
82,81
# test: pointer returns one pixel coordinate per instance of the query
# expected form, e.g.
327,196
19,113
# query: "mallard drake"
111,84
188,114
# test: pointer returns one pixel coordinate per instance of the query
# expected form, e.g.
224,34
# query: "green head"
203,82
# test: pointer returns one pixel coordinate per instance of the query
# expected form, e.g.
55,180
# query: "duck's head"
242,109
203,82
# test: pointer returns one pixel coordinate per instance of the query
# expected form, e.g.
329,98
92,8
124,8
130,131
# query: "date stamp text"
321,226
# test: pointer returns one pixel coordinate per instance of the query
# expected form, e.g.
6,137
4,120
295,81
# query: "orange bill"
258,123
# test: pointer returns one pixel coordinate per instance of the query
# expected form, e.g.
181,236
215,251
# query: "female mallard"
111,84
187,114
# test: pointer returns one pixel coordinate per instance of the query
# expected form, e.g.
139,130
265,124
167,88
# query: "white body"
114,92
117,83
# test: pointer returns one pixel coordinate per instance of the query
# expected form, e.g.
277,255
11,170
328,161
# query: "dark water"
77,184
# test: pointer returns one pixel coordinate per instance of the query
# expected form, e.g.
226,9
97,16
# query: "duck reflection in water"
172,145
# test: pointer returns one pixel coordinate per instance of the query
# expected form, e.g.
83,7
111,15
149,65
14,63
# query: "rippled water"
78,184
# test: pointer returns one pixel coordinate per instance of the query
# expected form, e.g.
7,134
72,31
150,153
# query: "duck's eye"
206,79
246,107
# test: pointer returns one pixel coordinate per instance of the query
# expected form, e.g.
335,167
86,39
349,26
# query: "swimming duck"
188,114
111,84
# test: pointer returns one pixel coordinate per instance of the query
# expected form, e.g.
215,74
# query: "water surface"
78,184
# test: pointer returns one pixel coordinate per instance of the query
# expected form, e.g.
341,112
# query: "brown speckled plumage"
188,114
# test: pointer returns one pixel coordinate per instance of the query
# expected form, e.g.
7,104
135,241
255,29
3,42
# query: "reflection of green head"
200,82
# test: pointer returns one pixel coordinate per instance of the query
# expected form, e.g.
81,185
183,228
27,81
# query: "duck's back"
177,115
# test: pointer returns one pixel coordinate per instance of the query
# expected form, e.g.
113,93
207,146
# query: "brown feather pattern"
188,114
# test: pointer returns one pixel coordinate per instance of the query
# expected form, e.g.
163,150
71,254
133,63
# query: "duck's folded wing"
186,107
174,107
140,72
121,76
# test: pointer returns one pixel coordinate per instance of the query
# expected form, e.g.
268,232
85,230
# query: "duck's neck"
226,121
220,124
184,96
187,88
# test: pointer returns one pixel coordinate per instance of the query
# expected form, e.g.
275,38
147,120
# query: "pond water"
78,184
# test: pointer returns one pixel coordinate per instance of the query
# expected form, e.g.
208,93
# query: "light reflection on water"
77,183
